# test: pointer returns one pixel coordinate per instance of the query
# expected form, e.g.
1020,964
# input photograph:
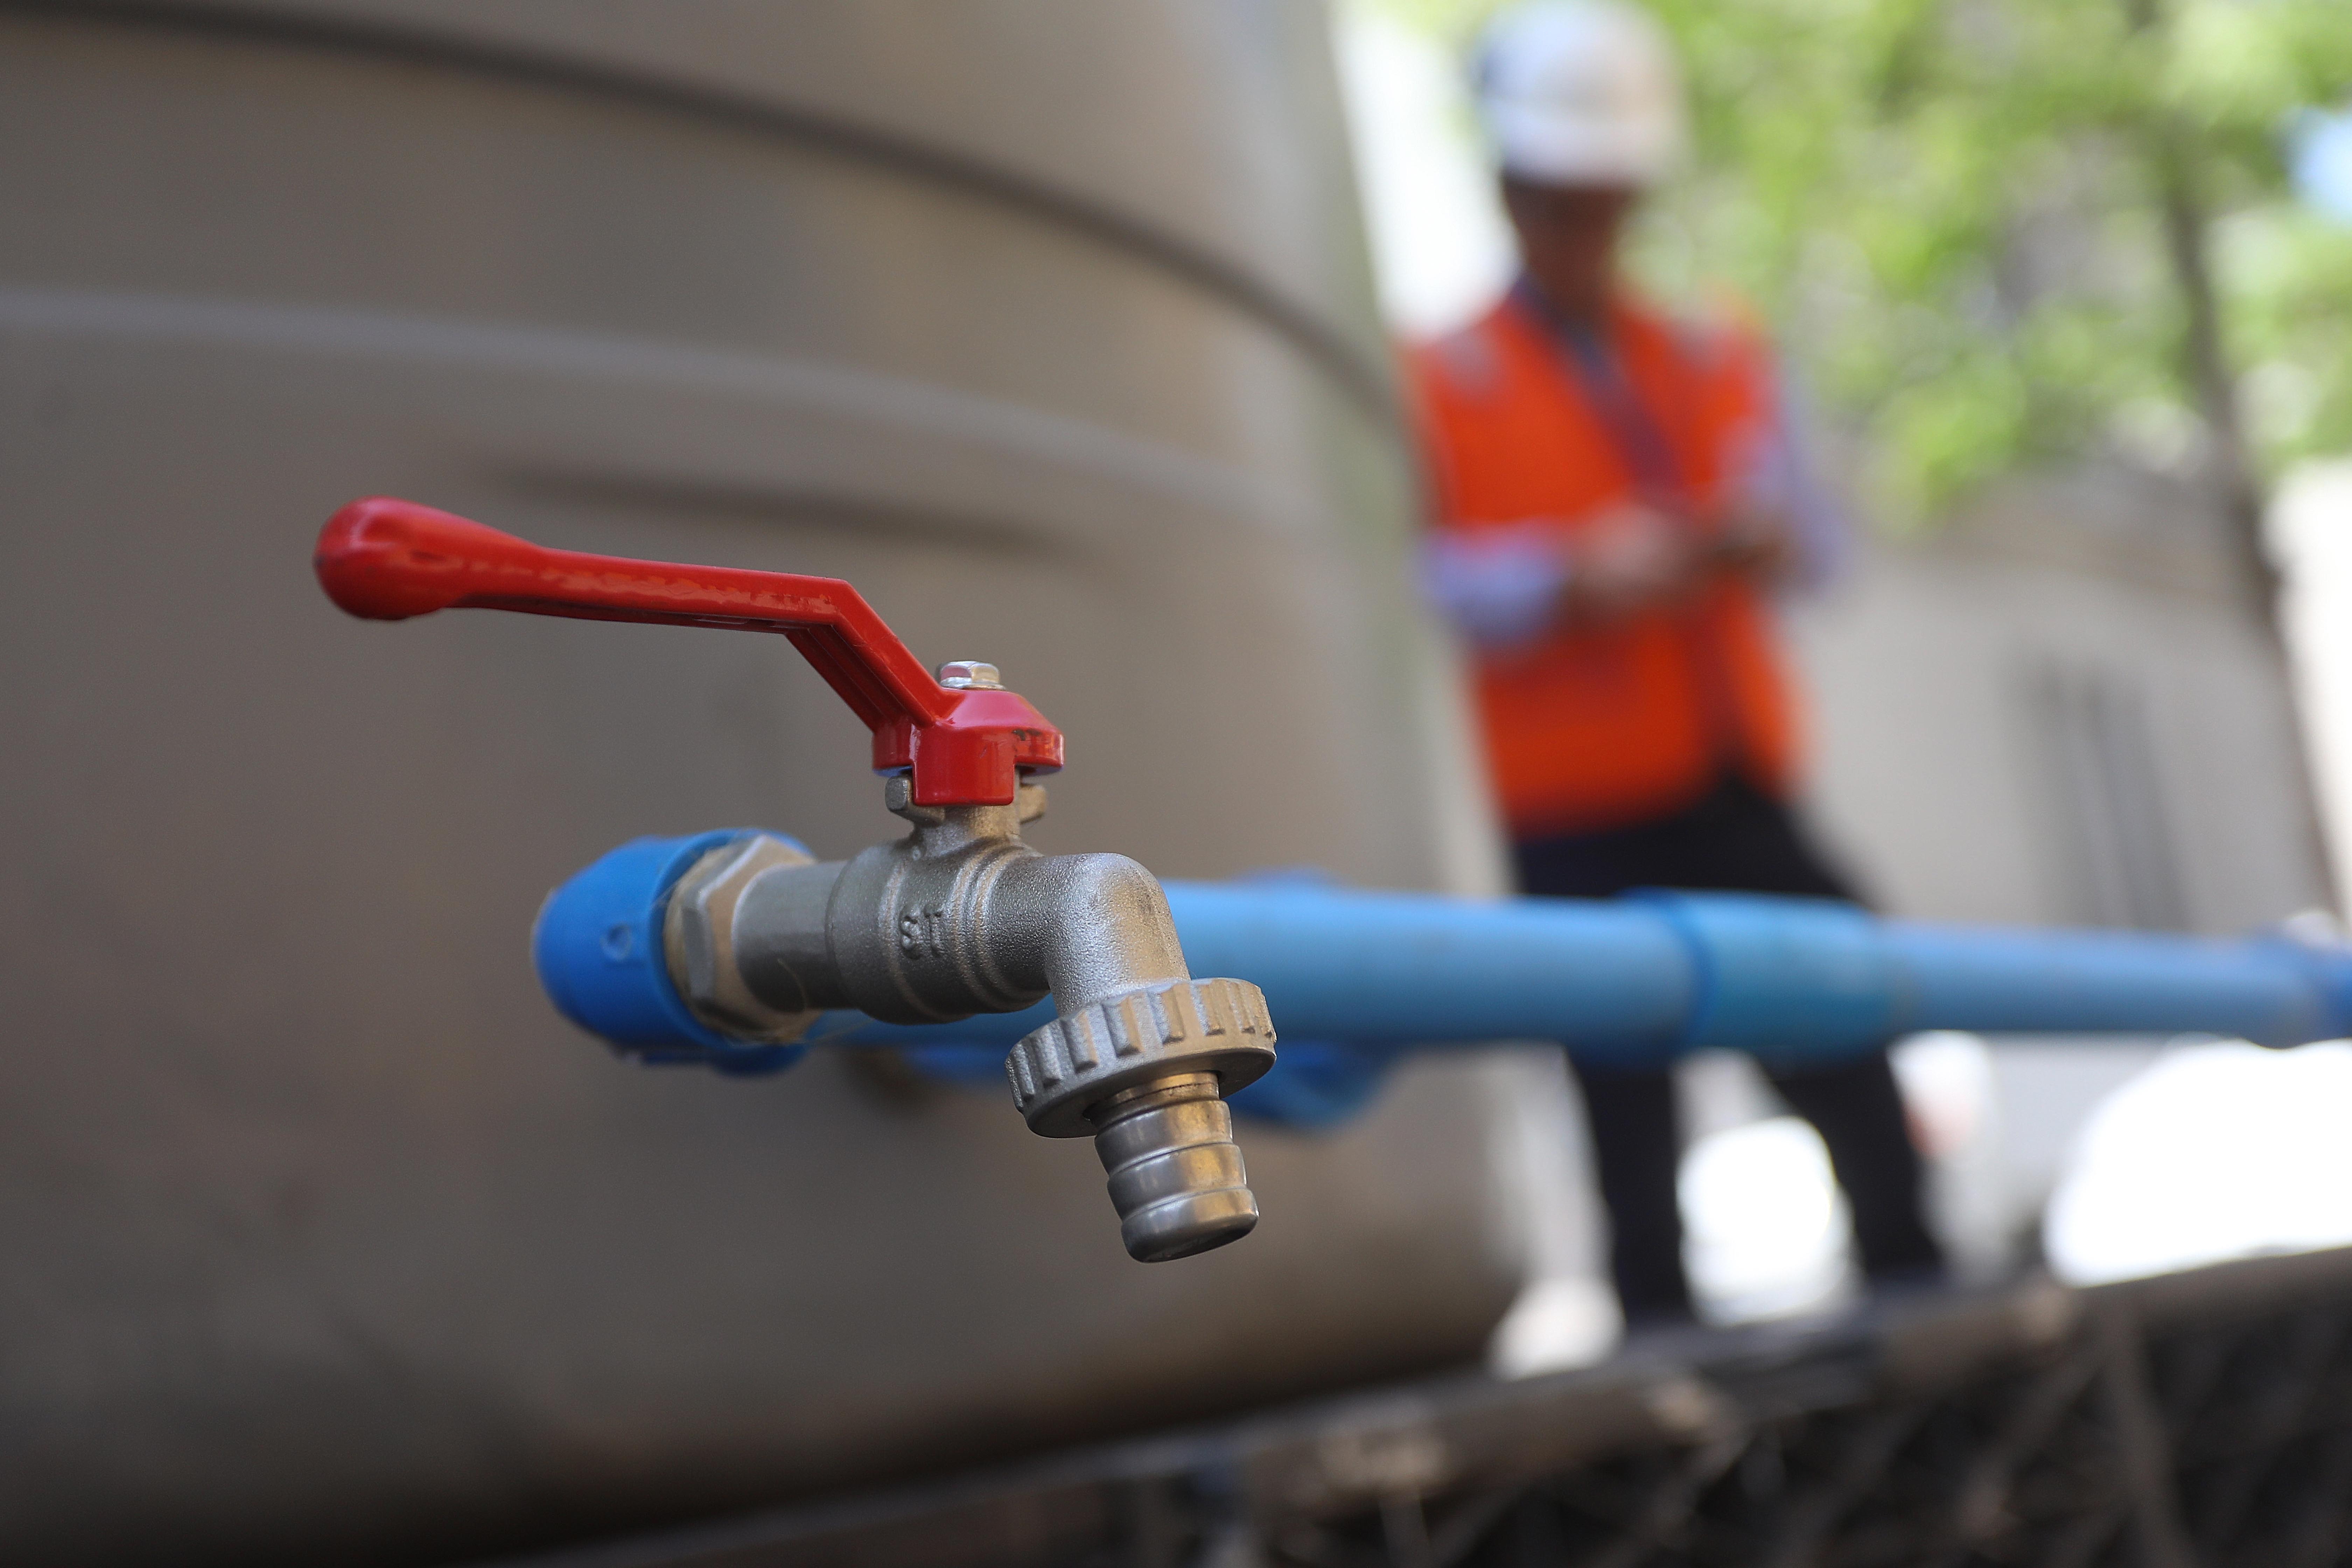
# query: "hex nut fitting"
699,940
1061,1072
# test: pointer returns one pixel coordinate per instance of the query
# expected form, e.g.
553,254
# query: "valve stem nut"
970,675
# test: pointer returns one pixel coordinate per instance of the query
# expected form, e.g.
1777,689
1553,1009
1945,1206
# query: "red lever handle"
386,560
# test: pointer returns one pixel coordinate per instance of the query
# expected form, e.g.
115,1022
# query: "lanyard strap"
1598,370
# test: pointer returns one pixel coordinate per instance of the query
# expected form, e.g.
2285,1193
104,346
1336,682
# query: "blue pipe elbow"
1316,1085
597,946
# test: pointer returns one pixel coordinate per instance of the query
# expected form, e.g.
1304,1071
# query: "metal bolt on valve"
748,939
970,675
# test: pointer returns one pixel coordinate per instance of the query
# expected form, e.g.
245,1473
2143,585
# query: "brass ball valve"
724,948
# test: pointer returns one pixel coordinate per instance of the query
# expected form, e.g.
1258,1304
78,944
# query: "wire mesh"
2202,1420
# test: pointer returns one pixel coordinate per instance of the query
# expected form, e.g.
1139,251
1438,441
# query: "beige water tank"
1047,324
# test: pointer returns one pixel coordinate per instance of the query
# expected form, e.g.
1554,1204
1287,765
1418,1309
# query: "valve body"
961,916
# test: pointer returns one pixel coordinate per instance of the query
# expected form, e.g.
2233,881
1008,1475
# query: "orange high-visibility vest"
1601,726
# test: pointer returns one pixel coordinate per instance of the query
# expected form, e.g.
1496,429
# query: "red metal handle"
386,560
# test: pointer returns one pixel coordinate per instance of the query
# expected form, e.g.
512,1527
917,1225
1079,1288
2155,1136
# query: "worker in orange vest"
1617,495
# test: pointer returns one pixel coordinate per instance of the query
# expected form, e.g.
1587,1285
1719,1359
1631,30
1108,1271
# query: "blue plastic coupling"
597,945
1783,979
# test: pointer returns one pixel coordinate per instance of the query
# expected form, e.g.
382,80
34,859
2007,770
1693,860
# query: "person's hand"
1755,541
1633,559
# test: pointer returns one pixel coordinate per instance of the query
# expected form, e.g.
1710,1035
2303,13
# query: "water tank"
1045,324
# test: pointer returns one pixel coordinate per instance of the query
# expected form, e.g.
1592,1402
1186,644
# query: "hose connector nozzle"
1176,1175
1145,1072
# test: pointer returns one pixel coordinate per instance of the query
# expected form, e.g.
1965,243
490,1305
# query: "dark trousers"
1736,839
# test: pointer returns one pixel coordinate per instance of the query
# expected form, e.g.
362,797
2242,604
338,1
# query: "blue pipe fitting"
597,946
1314,1086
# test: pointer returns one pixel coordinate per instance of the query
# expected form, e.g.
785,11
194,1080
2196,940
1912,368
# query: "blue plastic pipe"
1652,976
1352,978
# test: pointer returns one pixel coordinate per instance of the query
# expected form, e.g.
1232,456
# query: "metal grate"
2203,1420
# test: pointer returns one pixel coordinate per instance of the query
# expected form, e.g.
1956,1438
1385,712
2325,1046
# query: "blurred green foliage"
1952,212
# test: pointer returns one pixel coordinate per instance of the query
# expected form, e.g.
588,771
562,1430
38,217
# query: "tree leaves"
1952,211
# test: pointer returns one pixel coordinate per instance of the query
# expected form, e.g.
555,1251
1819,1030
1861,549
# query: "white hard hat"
1581,92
